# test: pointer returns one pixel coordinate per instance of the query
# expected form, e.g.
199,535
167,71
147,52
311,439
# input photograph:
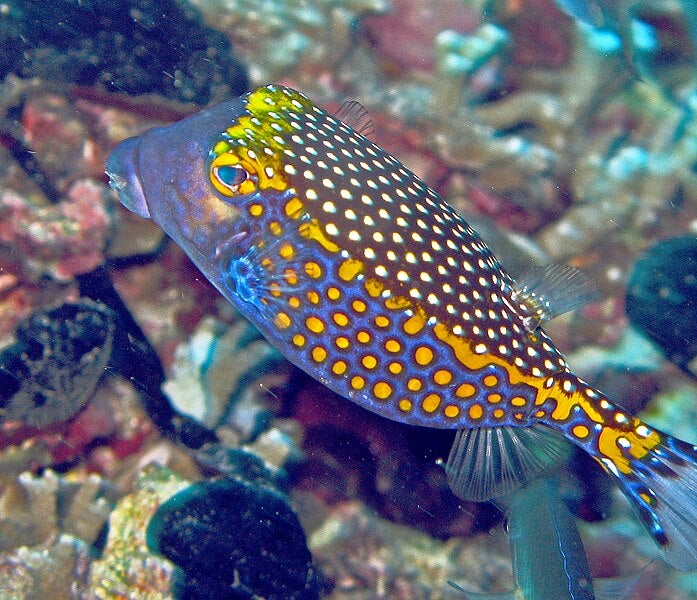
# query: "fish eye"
230,176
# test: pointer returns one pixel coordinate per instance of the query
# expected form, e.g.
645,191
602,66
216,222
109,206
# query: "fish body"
366,279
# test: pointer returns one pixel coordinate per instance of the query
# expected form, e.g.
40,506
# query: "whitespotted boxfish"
366,279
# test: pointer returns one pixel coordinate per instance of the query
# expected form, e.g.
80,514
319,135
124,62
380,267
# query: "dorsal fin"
355,115
491,462
552,290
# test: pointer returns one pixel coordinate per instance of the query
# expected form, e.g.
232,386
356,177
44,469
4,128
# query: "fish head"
163,174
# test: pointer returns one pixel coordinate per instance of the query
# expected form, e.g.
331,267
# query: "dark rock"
662,299
52,369
130,46
234,540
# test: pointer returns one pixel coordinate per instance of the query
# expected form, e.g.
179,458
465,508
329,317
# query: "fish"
365,278
549,561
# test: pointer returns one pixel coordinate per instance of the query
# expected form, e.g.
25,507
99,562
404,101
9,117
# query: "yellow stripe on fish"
366,279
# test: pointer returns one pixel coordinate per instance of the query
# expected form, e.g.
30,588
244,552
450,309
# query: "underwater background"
154,445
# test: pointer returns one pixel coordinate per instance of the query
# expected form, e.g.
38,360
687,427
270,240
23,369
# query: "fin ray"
492,462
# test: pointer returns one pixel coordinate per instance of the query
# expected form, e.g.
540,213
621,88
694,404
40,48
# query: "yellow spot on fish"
286,251
423,355
414,324
342,342
442,377
499,413
395,368
357,382
312,269
340,319
414,384
363,336
359,306
392,346
382,321
374,287
333,293
518,401
256,210
476,411
313,297
431,403
275,228
580,431
294,208
466,390
319,354
282,320
405,405
451,411
369,361
491,380
339,367
350,268
382,390
494,398
299,340
314,324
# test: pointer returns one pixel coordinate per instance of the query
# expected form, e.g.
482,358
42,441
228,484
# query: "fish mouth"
124,177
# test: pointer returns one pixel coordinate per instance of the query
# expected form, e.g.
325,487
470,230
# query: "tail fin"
662,487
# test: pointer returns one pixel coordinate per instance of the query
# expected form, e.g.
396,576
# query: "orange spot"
491,380
476,411
350,268
282,320
494,398
363,337
442,377
499,413
357,382
291,276
414,324
286,251
423,355
405,405
256,209
299,340
466,390
313,270
518,401
341,319
431,403
342,342
393,346
397,303
369,361
382,321
374,287
314,324
275,228
414,384
294,207
294,302
333,293
339,367
359,306
580,431
319,354
313,297
382,390
451,411
395,368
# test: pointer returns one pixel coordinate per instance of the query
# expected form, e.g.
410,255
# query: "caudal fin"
662,487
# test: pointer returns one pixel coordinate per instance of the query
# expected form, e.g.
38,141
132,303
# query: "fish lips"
124,176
